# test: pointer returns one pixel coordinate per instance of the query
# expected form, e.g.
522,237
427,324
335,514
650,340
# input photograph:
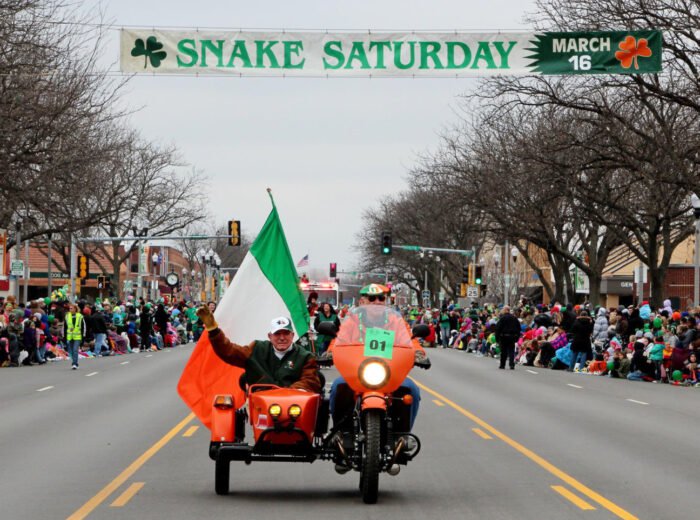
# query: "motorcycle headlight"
275,410
294,411
374,373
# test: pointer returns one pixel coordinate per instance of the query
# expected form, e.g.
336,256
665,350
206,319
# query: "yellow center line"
128,494
582,504
89,506
190,431
482,433
580,487
439,403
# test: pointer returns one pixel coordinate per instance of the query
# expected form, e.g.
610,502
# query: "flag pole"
269,192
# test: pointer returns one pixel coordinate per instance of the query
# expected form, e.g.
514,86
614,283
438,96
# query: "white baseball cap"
281,323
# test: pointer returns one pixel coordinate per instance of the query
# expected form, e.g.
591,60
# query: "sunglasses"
381,298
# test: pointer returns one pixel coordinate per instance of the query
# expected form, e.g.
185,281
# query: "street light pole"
695,202
154,285
506,274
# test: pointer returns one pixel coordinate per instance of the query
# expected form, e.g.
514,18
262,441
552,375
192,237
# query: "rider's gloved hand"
420,360
207,318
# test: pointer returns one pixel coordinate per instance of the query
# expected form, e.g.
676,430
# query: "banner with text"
321,54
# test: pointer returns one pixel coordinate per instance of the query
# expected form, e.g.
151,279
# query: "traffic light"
463,290
234,229
333,270
108,282
477,274
83,269
100,282
482,290
386,243
466,273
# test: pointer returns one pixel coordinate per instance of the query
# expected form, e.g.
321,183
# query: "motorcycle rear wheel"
371,460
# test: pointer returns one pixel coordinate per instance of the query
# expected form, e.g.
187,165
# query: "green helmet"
373,289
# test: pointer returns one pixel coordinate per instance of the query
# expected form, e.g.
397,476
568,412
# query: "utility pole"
73,267
26,270
18,243
506,275
49,283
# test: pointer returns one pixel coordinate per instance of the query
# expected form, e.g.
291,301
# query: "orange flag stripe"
205,376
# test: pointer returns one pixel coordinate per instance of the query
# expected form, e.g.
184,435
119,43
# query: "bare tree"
53,105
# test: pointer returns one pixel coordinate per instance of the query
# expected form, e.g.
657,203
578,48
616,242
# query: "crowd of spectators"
37,332
637,343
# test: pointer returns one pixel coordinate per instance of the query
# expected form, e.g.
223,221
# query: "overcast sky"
328,148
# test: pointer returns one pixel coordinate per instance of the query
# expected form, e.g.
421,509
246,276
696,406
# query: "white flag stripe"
249,291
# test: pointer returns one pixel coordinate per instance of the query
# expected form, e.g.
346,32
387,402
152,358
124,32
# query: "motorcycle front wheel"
371,457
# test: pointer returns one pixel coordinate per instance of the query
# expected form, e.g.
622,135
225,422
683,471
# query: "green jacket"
264,366
657,352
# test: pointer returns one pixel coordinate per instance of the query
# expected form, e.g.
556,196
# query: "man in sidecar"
277,360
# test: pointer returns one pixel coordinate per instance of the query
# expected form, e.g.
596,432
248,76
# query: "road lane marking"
439,403
482,433
190,431
91,374
548,466
149,355
45,388
638,402
582,504
128,494
573,386
89,506
124,363
533,372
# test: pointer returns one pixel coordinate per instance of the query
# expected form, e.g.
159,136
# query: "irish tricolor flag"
265,287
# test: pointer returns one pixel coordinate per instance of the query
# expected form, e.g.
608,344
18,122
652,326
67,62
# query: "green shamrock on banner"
149,50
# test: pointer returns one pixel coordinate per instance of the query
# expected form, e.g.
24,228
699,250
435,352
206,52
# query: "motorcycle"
374,351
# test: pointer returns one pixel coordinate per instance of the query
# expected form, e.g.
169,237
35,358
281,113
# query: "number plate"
379,343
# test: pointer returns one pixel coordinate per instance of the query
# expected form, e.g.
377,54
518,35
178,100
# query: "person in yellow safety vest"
75,331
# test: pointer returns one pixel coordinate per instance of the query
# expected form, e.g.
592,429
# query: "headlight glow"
275,410
374,373
294,411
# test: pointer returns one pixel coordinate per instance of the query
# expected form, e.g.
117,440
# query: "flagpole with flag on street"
266,286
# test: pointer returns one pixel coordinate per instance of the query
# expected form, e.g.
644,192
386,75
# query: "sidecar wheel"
221,476
369,476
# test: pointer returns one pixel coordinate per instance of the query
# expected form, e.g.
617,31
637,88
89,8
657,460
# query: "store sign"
401,54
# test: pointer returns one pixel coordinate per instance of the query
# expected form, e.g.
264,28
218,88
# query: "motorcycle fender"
223,425
373,400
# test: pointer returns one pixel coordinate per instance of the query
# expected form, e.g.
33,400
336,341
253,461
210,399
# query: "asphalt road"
113,440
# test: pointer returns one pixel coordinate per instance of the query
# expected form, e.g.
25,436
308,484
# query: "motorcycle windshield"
377,327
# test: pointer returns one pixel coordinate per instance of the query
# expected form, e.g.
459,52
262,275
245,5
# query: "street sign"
426,302
17,268
426,294
472,291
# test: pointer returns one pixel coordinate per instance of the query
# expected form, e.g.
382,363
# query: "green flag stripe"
271,251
